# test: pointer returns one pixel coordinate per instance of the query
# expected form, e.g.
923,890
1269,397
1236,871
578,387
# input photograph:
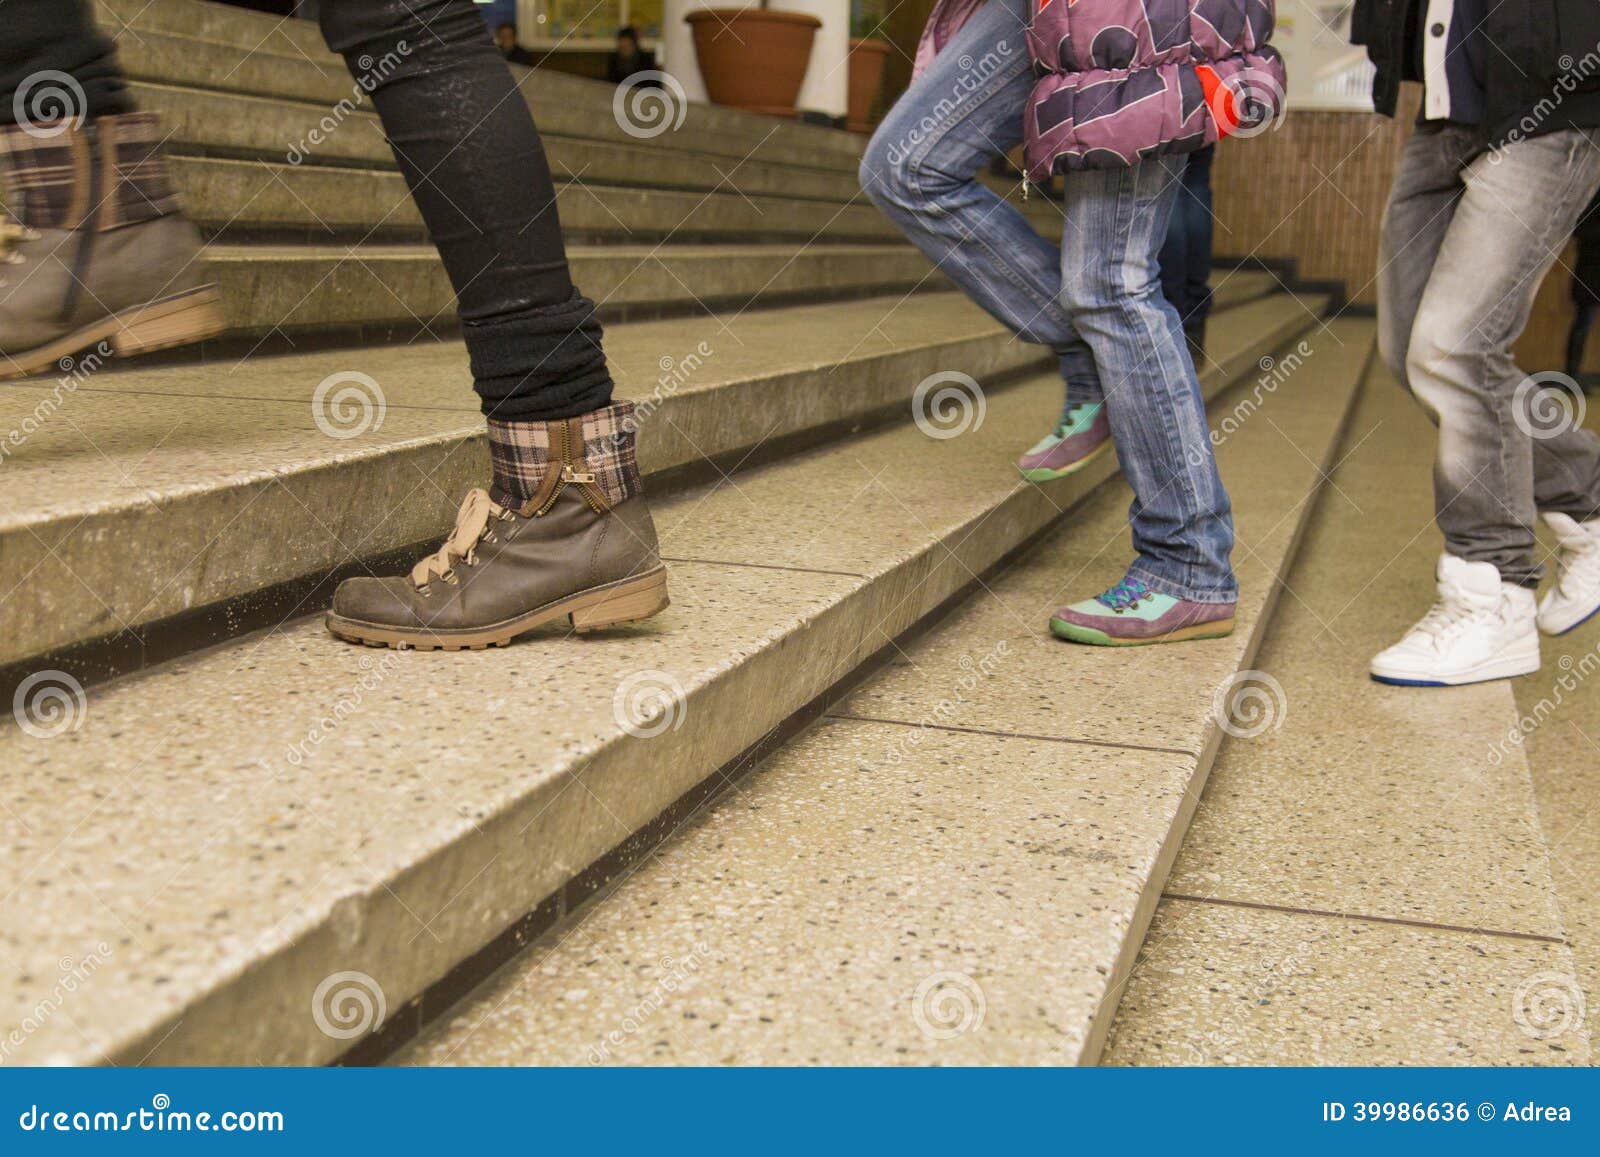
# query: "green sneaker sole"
1066,471
1073,633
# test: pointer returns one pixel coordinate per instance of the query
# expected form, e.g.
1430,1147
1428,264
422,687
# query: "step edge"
218,999
1154,884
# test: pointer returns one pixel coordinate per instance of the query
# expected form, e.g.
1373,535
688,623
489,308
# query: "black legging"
471,156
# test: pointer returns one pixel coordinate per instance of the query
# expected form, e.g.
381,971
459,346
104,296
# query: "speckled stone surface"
402,811
1559,712
203,119
285,287
239,196
1125,695
126,501
1226,986
1419,815
1357,797
224,905
189,43
873,873
248,821
872,895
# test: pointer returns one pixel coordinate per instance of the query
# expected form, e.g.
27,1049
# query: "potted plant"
753,58
867,56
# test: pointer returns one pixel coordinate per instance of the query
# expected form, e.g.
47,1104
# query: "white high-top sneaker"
1481,628
1575,597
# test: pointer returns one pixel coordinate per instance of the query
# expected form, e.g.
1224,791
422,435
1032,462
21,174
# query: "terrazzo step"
150,502
957,863
205,122
234,199
212,46
285,289
179,487
336,815
1381,893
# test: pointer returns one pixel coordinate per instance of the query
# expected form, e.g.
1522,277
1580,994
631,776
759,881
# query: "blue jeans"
1097,302
1186,253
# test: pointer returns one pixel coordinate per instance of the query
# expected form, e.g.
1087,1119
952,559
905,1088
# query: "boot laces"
472,524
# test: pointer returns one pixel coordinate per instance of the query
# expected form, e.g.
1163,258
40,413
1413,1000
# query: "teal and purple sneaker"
1083,435
1130,614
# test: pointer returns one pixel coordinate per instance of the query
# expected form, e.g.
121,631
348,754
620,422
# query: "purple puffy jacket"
1121,80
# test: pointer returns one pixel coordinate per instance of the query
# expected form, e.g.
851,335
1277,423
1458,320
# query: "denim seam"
1525,568
1127,211
918,158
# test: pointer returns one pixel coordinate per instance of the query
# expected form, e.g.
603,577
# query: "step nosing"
1368,918
1003,734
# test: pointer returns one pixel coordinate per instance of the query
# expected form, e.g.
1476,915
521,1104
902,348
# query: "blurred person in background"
505,39
628,59
1186,255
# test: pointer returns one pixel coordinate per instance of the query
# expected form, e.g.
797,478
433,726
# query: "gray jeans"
1468,236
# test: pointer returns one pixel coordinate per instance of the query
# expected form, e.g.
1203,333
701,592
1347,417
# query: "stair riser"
280,131
563,106
513,862
233,200
272,291
212,546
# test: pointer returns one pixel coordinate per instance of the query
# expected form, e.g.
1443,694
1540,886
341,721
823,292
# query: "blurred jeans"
1186,253
1467,238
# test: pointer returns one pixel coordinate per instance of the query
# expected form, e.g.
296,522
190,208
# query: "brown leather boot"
97,250
565,534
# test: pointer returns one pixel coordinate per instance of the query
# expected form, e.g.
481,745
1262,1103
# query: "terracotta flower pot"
866,75
753,58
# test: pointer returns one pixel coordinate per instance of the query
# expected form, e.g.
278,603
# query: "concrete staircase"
242,823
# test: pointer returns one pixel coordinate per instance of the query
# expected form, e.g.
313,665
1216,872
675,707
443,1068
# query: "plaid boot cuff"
112,171
522,454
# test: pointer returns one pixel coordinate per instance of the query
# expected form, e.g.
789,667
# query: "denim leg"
1495,472
1181,517
921,169
1199,229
